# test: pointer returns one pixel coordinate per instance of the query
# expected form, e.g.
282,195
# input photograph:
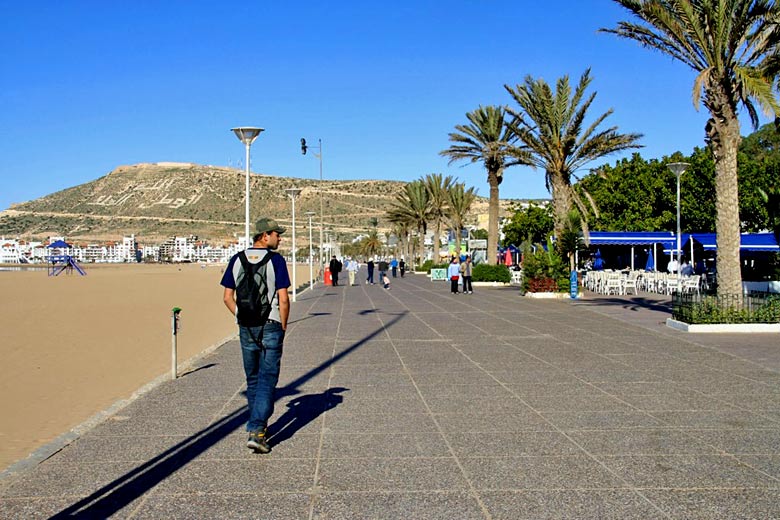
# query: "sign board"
438,275
477,243
573,289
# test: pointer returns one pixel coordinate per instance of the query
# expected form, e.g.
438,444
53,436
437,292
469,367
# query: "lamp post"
293,192
678,168
310,214
305,147
247,135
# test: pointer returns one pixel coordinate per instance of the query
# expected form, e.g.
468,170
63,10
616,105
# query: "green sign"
438,275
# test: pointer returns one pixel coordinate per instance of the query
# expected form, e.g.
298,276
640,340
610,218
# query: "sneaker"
258,443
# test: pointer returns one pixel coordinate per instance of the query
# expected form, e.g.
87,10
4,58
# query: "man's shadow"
301,411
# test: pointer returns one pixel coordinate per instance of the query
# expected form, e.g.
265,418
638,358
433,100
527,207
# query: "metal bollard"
174,329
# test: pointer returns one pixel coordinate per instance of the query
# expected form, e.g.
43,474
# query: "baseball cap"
266,225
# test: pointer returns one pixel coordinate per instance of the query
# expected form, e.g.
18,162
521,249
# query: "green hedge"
490,273
428,265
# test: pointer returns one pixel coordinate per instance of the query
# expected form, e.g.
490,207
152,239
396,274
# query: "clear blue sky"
87,86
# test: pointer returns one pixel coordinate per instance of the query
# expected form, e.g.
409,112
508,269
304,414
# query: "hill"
155,201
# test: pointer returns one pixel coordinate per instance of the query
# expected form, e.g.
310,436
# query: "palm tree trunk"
492,244
561,201
436,241
457,240
724,140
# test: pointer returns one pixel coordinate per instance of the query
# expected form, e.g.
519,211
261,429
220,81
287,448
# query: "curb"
723,327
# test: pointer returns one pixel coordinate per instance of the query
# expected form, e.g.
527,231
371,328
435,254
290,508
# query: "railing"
748,308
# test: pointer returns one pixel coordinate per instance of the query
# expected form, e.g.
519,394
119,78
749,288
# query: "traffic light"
303,146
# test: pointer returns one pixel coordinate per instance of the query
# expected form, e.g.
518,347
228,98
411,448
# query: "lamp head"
247,134
293,192
678,168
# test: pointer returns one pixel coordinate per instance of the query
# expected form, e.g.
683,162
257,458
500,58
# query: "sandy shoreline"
72,346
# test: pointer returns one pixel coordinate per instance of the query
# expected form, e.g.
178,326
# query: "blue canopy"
749,241
59,243
632,238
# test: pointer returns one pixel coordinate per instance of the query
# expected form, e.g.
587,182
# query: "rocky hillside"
155,201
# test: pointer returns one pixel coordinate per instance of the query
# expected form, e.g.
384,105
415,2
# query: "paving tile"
741,441
751,401
592,401
390,474
397,505
602,420
479,422
678,402
400,445
734,504
354,402
398,422
249,504
769,464
56,480
486,391
106,449
542,505
503,403
685,471
513,444
725,419
640,442
563,472
231,476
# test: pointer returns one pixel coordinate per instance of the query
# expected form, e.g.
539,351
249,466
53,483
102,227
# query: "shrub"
428,265
490,273
544,271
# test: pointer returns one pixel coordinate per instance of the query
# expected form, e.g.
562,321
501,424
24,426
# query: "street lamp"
310,214
247,135
305,147
678,168
293,192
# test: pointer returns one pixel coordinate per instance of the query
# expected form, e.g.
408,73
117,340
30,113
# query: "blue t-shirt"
276,275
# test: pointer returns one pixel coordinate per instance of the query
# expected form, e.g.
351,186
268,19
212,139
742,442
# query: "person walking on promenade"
394,266
402,267
256,282
352,269
383,273
465,272
370,267
335,269
453,273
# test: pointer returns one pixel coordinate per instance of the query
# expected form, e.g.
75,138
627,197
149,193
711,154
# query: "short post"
174,329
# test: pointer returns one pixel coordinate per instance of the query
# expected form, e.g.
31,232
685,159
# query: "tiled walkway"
414,403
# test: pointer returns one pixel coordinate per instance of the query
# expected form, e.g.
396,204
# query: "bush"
428,265
714,309
545,271
490,273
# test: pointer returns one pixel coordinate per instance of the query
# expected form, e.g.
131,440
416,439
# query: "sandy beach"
74,345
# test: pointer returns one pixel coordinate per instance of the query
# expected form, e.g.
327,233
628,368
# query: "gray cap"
266,225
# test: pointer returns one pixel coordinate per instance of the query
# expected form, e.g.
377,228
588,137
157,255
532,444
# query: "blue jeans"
261,367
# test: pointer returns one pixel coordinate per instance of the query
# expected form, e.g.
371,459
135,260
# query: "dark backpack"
254,305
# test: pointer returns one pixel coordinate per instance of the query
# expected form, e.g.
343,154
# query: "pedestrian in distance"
370,267
394,266
383,267
335,269
453,273
465,273
352,269
255,292
402,267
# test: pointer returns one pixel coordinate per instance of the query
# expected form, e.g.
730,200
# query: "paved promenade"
414,403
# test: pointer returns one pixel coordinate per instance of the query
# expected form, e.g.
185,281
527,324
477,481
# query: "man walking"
394,266
383,267
256,282
402,267
352,269
370,267
335,269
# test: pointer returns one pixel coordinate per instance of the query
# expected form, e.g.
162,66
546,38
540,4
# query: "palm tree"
459,201
438,187
412,206
732,45
489,140
371,244
550,125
